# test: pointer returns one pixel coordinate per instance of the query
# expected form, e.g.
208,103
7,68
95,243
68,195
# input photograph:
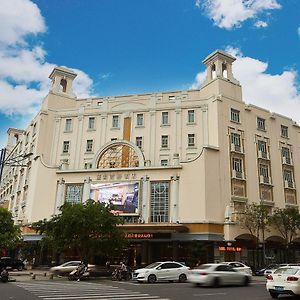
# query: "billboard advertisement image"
122,195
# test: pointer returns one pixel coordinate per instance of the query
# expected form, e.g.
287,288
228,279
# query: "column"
174,198
204,110
152,134
103,129
145,199
79,142
59,200
86,189
55,150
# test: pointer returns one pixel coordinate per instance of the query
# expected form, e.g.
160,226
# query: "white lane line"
211,294
117,296
125,293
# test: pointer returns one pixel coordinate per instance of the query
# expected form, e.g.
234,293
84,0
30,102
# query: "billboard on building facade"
122,195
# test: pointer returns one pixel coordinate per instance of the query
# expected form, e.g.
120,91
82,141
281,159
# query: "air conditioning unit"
289,184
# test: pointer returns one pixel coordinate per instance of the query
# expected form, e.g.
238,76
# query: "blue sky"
138,46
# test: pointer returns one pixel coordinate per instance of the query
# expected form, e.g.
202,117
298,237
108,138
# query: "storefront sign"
147,235
114,176
230,248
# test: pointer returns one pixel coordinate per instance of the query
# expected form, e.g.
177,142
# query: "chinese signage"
230,248
119,176
148,235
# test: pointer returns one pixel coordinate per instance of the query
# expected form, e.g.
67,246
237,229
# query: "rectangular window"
262,146
73,193
288,176
88,165
66,146
140,119
115,121
191,116
286,155
171,98
284,131
165,118
91,123
89,145
159,202
191,140
235,115
68,125
261,123
165,141
237,165
139,141
164,162
264,172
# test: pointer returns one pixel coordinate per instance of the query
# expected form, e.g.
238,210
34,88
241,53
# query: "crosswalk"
81,291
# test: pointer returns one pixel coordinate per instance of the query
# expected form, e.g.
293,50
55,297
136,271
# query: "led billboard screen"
123,195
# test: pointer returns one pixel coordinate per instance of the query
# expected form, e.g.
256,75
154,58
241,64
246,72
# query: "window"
264,172
191,140
164,141
140,119
288,177
262,146
284,131
237,165
139,141
88,165
191,116
171,98
235,142
73,193
165,118
115,121
285,152
27,138
113,139
261,123
34,129
68,125
91,123
235,115
159,202
66,146
89,145
164,162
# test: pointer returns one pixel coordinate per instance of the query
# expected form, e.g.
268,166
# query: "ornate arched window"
118,155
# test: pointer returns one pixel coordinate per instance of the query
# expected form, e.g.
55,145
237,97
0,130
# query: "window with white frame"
66,146
89,145
235,115
159,202
165,141
68,125
91,123
191,116
236,140
115,122
262,146
191,140
284,131
261,123
165,118
286,155
139,141
164,162
288,176
264,171
237,165
139,119
73,193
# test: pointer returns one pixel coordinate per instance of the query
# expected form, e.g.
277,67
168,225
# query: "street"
106,289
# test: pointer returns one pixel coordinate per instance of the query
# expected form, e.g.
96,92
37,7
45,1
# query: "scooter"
119,275
4,275
81,272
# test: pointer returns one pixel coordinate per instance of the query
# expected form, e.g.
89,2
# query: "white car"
67,267
217,274
238,266
285,280
162,271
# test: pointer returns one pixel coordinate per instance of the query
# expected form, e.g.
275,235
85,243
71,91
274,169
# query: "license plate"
279,288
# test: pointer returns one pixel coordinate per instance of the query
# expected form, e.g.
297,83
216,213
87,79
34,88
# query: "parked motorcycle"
4,275
81,272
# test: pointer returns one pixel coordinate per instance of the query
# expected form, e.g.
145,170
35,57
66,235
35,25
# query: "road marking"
211,294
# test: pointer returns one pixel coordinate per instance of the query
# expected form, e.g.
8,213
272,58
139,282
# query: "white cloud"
24,70
298,31
260,24
232,13
278,93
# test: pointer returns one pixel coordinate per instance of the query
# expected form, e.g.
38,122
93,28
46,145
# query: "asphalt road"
108,290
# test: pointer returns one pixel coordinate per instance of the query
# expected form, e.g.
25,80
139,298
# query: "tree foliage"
10,234
87,229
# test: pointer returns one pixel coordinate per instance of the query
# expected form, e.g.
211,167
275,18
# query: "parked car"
285,280
162,271
11,263
68,267
217,274
238,266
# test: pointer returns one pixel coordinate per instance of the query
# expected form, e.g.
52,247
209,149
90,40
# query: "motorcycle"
119,275
4,275
81,272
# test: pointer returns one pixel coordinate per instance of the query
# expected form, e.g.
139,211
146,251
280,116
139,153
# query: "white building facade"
178,166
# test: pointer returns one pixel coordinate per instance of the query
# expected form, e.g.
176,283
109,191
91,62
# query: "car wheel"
246,281
182,278
151,278
20,268
273,295
216,282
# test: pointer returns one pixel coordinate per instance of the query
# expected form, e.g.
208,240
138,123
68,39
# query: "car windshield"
287,271
152,266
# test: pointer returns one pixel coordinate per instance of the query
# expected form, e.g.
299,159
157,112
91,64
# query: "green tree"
10,234
256,220
86,229
287,222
